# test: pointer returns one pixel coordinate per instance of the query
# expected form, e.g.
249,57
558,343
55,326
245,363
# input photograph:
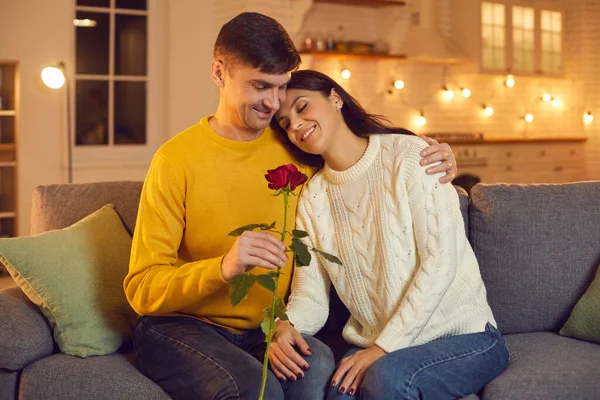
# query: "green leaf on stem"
251,227
328,257
264,325
267,282
272,274
301,254
239,288
272,225
280,310
298,234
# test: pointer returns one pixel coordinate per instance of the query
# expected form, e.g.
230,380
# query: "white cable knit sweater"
409,274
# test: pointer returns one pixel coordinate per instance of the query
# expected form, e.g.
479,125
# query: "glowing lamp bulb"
489,111
555,102
421,120
53,77
466,93
346,74
546,97
399,84
588,118
529,118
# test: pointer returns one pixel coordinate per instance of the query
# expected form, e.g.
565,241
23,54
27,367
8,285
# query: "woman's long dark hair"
359,121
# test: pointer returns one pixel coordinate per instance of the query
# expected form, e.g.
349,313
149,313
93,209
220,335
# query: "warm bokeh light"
346,74
53,77
546,97
529,118
399,84
421,120
466,92
488,110
448,94
510,81
556,102
588,118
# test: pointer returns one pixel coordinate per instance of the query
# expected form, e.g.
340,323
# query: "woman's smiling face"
310,119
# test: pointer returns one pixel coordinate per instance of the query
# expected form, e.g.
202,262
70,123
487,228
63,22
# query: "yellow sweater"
200,187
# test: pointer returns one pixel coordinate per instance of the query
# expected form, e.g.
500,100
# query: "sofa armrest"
25,335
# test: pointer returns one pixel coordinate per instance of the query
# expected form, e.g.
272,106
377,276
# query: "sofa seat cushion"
25,335
547,366
110,377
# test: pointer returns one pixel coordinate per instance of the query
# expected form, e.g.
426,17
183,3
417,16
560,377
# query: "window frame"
126,155
509,47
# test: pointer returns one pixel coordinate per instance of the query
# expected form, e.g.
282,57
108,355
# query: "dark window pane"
130,112
91,112
92,44
130,52
94,3
132,4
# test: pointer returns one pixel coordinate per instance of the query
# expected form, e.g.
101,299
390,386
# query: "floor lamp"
55,78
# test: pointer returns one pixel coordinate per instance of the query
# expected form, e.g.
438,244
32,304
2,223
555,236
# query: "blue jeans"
446,368
191,359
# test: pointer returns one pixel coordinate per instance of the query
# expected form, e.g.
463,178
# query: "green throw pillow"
584,322
75,276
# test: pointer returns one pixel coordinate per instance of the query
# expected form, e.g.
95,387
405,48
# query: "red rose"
285,175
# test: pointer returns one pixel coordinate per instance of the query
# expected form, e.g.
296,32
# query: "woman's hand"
439,152
285,361
353,369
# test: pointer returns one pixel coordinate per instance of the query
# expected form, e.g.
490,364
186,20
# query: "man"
203,183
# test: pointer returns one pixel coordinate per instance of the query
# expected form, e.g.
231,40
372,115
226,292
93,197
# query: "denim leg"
316,380
314,383
443,369
191,359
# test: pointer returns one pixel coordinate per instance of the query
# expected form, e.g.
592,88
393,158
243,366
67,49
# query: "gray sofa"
538,249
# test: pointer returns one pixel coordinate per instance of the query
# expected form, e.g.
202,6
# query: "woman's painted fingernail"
351,391
293,377
342,390
309,350
300,375
332,383
305,367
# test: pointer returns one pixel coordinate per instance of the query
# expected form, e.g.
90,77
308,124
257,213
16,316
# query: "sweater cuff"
391,339
213,277
305,317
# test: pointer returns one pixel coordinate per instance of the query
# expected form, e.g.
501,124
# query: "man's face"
252,97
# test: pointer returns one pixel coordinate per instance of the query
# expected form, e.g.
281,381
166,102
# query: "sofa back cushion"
538,247
59,206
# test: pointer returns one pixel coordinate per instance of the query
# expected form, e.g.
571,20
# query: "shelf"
7,146
352,56
8,214
7,113
512,140
8,164
364,3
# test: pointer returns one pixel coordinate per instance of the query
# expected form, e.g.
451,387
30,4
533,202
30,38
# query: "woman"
420,324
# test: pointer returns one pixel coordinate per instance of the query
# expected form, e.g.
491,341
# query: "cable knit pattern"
409,273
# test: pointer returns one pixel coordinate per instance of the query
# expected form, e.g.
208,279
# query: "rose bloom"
284,175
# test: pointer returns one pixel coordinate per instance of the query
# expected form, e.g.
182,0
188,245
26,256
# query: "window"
551,41
493,30
110,72
520,39
523,39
